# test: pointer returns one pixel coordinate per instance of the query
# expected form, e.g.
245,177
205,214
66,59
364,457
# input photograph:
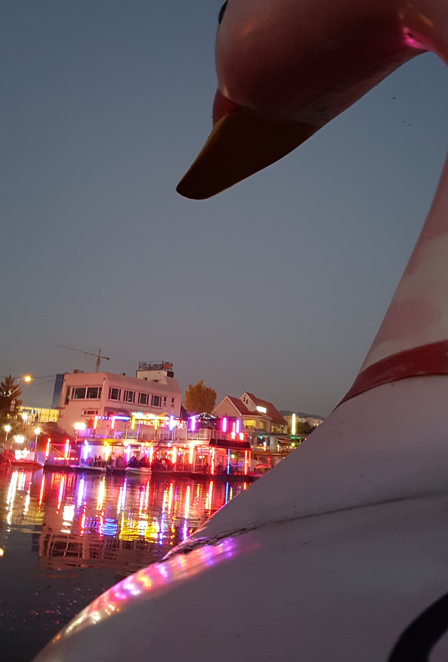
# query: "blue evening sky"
276,286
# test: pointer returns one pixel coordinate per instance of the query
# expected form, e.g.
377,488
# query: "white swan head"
287,67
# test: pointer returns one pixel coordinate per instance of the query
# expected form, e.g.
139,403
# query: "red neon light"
42,488
47,450
61,492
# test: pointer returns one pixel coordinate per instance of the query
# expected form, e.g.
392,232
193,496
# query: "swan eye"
222,11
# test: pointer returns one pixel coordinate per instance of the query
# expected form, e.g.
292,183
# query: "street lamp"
25,378
37,433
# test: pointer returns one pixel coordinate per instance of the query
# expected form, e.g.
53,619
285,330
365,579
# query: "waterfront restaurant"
200,445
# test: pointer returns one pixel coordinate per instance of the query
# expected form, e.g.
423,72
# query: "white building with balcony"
85,396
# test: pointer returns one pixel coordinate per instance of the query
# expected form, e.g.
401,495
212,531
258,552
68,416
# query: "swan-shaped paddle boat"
341,552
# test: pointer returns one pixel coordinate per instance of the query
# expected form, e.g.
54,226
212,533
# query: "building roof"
239,404
271,411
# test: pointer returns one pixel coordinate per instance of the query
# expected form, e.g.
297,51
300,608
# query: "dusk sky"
277,286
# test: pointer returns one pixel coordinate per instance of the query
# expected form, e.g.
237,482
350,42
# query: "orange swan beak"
241,143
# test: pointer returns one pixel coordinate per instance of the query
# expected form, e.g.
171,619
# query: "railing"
174,436
58,457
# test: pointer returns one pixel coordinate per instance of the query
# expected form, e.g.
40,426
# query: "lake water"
67,537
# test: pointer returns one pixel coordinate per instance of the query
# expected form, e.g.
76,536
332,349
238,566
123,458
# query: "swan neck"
418,313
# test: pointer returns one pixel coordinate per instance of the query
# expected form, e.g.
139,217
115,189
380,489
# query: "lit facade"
262,422
85,396
39,414
256,414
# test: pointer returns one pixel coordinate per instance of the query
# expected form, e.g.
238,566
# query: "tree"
304,429
10,401
200,398
10,404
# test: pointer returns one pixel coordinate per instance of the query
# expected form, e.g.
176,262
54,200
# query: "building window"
129,396
94,393
114,393
79,393
156,401
172,402
143,398
249,424
90,412
164,400
67,395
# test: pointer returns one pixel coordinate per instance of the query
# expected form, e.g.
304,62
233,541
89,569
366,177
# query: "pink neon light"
193,423
238,425
112,425
224,424
47,450
95,423
67,449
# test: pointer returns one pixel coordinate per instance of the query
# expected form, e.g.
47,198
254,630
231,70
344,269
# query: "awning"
233,444
116,412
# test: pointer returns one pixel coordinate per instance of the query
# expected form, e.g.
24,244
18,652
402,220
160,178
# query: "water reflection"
124,523
65,538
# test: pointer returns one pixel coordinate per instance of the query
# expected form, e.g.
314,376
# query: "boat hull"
138,471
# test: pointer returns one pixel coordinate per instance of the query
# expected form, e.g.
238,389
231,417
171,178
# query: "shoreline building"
85,397
265,427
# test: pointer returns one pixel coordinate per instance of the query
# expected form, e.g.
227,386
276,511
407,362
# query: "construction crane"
99,356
